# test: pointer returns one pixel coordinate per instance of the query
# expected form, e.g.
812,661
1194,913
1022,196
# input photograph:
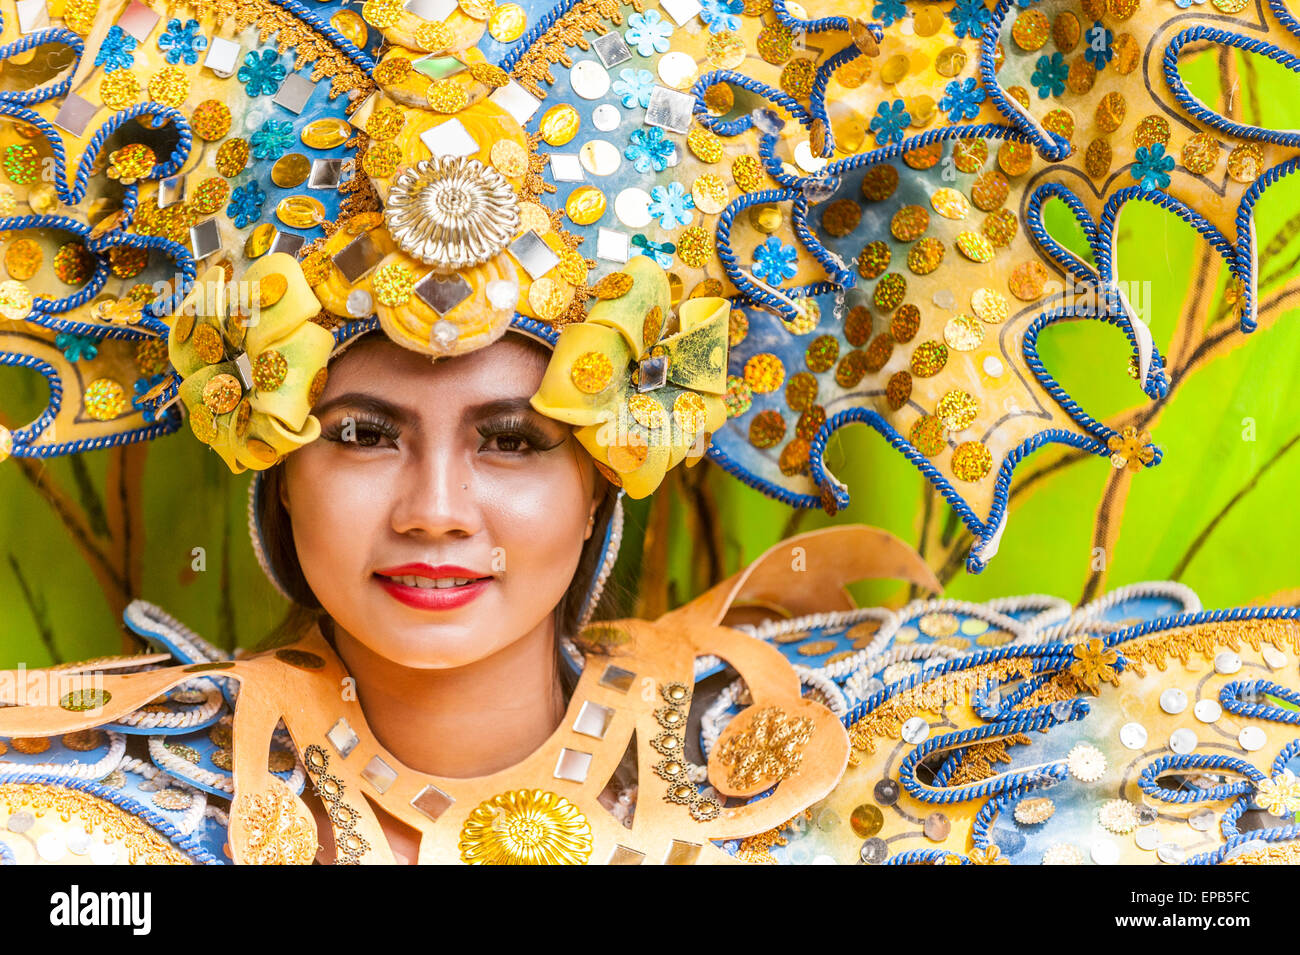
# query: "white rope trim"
213,701
193,648
75,770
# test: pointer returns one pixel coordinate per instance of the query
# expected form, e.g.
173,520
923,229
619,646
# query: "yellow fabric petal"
306,350
697,355
627,312
639,482
560,398
274,322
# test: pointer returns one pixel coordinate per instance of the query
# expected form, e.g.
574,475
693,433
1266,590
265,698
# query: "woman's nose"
436,496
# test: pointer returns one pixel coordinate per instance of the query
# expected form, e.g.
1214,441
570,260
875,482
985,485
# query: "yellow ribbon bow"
642,400
252,363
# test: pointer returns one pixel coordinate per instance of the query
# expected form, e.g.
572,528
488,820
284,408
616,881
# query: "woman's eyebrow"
519,404
361,401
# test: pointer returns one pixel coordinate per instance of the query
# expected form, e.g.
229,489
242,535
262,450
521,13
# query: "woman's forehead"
508,367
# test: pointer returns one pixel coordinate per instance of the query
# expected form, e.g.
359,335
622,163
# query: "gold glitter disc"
971,461
957,410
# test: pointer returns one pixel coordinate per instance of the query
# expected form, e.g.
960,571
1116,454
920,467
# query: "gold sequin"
585,205
990,305
924,157
963,333
764,373
105,399
1027,280
898,390
1030,30
210,120
23,259
434,36
821,353
889,292
1201,153
775,43
1060,121
325,133
507,23
1127,54
119,90
840,217
448,96
647,411
573,267
766,429
232,157
592,372
1151,130
382,14
1066,31
170,86
950,203
928,359
801,391
393,284
222,393
974,246
748,173
1015,158
905,323
548,298
1122,9
1081,77
957,410
950,61
925,256
909,223
509,158
710,194
1246,162
300,212
695,245
1000,227
879,182
971,461
851,369
857,325
690,412
873,259
968,155
927,435
989,190
1097,158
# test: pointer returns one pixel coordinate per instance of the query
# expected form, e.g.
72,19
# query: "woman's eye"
509,443
363,434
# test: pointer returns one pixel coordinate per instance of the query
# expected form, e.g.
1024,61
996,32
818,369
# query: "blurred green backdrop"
1218,514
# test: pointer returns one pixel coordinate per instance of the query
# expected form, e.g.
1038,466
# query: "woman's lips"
432,598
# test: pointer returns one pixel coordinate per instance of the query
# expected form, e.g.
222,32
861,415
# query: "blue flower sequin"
1151,167
661,252
968,17
76,347
648,32
246,204
648,149
1100,49
722,15
962,99
1049,75
182,42
774,262
672,205
889,122
1184,4
273,139
888,11
115,52
634,87
261,73
142,387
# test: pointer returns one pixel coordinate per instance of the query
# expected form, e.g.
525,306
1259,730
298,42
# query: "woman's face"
438,518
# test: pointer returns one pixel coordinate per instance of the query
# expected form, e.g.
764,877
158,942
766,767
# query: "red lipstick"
432,598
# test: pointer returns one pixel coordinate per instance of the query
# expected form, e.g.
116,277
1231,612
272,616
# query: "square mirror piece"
379,774
326,173
294,92
516,101
593,720
138,20
669,109
682,853
622,855
682,11
205,238
432,801
533,254
343,738
223,56
75,115
565,167
437,10
611,49
33,16
357,258
442,293
287,242
450,139
171,191
616,678
572,765
612,245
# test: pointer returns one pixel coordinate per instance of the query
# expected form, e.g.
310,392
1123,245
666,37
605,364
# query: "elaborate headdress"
741,224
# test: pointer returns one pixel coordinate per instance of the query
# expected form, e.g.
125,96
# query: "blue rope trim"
1148,784
322,26
923,857
1230,696
32,40
1246,266
1053,146
185,842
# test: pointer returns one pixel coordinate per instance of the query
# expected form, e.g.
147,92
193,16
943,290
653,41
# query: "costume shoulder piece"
1139,729
741,224
252,730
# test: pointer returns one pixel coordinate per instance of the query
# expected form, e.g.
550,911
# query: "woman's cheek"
537,518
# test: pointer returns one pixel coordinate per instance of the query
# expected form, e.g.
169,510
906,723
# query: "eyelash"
368,429
518,427
364,425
